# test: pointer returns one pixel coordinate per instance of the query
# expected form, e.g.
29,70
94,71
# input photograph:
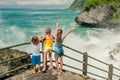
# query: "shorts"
48,49
36,60
58,54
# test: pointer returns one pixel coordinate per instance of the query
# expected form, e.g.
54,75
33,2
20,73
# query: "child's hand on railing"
40,38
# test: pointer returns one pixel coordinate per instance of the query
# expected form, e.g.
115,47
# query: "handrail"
11,59
73,49
98,75
15,45
73,59
116,68
89,65
14,70
83,70
94,59
67,57
88,55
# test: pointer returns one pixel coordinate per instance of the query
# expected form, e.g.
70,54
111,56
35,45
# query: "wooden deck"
49,75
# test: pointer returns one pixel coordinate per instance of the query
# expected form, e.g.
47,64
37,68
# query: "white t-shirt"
36,49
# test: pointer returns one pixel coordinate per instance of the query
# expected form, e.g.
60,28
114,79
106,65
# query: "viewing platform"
49,75
14,66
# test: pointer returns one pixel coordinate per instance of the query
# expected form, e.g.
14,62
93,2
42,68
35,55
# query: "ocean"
17,25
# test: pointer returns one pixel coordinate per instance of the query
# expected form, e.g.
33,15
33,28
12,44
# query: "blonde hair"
59,36
47,31
35,40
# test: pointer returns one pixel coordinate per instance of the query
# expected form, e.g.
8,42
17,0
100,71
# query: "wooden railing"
84,62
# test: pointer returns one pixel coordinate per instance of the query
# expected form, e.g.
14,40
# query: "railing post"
85,60
110,72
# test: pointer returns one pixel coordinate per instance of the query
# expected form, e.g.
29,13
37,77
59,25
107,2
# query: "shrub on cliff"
93,3
78,4
116,16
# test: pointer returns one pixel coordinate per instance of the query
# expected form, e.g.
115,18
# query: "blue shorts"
36,60
58,54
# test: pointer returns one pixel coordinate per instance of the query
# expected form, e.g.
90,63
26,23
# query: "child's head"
59,35
59,32
35,40
47,31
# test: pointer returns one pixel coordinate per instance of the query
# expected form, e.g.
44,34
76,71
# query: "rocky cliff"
12,53
99,14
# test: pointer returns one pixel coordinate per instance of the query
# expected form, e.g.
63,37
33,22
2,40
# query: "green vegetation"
112,3
116,16
86,5
78,4
93,3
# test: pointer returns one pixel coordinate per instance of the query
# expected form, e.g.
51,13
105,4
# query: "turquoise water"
17,25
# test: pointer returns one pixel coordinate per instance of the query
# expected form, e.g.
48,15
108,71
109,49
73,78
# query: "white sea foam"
98,47
38,30
2,44
12,35
43,12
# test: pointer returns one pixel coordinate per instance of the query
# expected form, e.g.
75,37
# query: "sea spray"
95,46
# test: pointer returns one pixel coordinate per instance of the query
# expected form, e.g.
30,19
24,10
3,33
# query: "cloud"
43,2
36,2
4,3
7,2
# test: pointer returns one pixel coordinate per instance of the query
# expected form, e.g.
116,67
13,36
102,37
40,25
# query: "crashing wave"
115,52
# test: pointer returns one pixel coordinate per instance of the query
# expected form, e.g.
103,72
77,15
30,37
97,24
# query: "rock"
50,75
98,16
10,53
95,15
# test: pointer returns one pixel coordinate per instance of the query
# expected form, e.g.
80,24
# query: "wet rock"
11,53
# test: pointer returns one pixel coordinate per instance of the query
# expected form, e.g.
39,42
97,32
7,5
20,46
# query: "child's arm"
68,32
31,39
57,25
40,38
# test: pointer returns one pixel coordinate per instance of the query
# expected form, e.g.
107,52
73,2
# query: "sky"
35,3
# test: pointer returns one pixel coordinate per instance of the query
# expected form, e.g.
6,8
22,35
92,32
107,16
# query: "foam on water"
43,12
12,35
96,46
2,44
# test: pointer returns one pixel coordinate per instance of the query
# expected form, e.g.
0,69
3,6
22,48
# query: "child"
58,47
36,58
48,44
